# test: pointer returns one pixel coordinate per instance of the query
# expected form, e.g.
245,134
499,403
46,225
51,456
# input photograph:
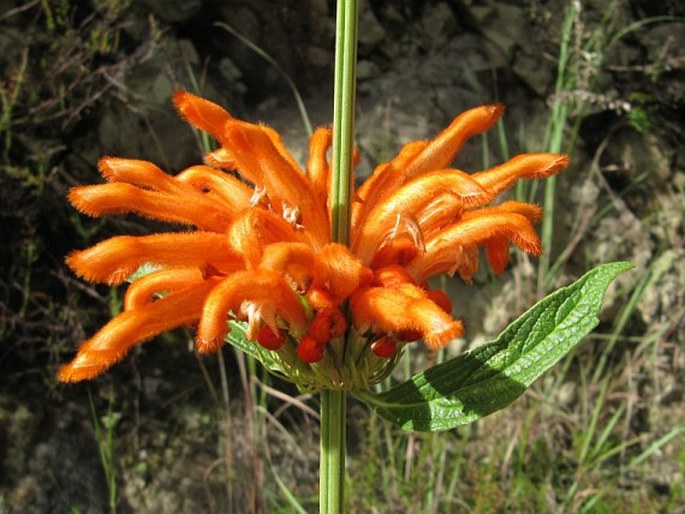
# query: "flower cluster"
261,252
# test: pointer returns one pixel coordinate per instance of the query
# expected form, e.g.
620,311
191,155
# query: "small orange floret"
137,172
112,261
400,308
339,272
268,289
129,328
201,113
160,283
328,324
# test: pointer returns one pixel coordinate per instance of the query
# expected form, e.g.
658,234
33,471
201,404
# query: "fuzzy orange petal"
112,261
410,199
220,158
536,165
262,287
441,150
233,194
438,213
418,158
119,198
201,113
129,328
283,152
139,173
453,248
254,230
163,282
384,180
447,209
530,210
318,169
338,273
400,308
263,163
295,260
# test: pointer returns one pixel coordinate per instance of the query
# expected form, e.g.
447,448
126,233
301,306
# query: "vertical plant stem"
343,118
333,448
334,403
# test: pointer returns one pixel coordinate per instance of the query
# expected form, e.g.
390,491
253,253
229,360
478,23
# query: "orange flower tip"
543,165
71,373
384,347
440,339
531,211
88,364
201,113
207,345
310,350
85,264
112,167
496,111
561,162
532,247
81,198
107,167
270,340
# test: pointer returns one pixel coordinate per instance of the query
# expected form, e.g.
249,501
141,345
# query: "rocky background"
80,80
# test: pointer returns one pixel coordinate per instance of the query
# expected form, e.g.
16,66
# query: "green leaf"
490,377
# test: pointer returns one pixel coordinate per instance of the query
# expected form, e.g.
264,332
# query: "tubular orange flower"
259,250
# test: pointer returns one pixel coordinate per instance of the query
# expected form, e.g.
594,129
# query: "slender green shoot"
104,435
334,403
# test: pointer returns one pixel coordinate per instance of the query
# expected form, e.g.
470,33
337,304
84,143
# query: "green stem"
343,119
333,446
334,403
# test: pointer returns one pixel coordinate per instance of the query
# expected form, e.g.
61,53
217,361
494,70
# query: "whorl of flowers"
258,249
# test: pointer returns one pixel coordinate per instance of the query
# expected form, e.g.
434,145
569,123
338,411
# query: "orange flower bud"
270,340
384,346
310,350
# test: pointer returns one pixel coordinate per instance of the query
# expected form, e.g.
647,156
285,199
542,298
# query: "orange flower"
261,251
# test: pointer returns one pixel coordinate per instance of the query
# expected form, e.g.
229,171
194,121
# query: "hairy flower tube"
257,250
